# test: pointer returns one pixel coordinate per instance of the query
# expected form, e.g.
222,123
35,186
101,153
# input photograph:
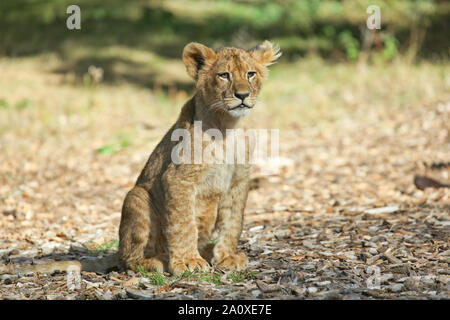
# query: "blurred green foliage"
24,104
334,29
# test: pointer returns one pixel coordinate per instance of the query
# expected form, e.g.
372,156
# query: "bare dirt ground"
340,219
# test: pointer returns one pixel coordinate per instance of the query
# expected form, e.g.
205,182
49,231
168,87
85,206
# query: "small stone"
265,288
280,234
255,293
308,267
8,278
29,253
388,209
350,255
138,295
48,248
323,283
443,271
373,259
107,296
397,287
352,296
256,228
403,279
91,284
312,279
370,244
71,296
386,277
429,280
312,289
122,294
309,245
333,295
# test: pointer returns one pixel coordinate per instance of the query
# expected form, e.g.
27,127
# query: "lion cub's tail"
90,264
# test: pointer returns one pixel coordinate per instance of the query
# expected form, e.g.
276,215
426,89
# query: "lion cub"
180,216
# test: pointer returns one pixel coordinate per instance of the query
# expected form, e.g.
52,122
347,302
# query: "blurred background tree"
335,30
325,43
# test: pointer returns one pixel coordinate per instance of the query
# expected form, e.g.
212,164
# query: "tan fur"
174,211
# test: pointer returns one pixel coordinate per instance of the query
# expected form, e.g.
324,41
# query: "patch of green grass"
3,104
107,150
142,271
24,104
241,276
123,141
212,277
158,279
95,248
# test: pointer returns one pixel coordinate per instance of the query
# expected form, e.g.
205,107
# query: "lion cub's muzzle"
240,107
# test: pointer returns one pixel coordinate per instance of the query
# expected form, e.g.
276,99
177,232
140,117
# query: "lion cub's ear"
266,53
196,56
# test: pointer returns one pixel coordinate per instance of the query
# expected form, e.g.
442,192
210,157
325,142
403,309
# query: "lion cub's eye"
251,74
224,75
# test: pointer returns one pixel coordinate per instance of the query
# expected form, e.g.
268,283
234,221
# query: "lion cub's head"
228,80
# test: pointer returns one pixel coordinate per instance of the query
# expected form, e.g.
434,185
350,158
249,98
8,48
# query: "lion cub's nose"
241,96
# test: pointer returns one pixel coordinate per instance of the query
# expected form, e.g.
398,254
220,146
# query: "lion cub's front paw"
178,266
233,261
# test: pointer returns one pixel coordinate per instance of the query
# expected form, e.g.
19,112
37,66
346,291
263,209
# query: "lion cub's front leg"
229,224
181,230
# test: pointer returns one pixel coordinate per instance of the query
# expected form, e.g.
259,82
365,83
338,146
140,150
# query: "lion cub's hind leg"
137,246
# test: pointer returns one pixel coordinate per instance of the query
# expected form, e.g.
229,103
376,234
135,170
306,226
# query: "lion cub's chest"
217,180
